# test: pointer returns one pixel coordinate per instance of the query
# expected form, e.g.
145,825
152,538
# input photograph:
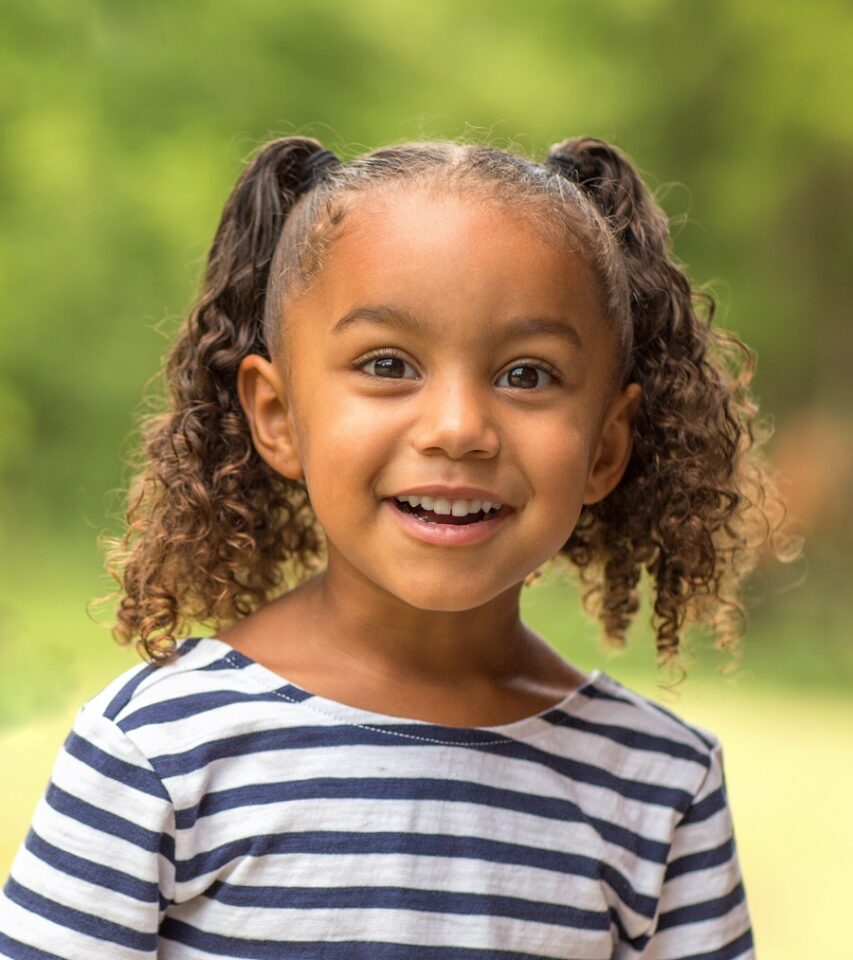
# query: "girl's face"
445,350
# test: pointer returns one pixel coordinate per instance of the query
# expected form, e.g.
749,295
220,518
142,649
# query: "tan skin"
393,624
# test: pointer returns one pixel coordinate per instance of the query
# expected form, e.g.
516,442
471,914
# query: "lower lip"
446,534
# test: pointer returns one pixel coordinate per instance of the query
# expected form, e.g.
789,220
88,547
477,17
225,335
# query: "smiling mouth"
428,516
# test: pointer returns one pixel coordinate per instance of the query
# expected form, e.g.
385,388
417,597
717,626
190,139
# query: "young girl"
410,381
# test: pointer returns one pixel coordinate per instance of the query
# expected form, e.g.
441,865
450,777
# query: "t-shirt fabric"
212,808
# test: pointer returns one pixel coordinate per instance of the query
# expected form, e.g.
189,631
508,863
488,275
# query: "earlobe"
266,403
614,444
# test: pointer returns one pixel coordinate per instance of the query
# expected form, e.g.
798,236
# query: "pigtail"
213,531
209,523
697,497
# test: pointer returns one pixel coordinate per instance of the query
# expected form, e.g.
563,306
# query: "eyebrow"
405,320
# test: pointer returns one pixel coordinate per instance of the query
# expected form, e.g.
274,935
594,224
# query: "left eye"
387,367
526,376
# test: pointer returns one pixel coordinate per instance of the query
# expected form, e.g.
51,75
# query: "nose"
456,419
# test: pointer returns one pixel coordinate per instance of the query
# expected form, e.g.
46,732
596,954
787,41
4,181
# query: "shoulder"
161,707
209,701
147,683
644,740
163,717
623,705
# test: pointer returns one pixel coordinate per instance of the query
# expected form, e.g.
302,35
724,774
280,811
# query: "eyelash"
378,355
389,352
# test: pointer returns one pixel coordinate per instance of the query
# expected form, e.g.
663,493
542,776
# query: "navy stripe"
731,950
109,823
340,735
127,774
692,913
77,920
181,708
596,693
406,898
218,945
707,910
22,951
243,745
294,694
703,809
709,743
631,738
420,788
188,644
82,869
123,697
702,860
323,843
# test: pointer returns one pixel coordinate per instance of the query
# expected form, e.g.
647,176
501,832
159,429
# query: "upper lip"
451,493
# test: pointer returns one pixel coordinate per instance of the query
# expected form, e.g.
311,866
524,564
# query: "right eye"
385,364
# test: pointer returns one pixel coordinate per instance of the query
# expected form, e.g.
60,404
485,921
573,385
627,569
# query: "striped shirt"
211,808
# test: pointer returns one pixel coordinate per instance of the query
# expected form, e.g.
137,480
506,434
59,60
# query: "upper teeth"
456,508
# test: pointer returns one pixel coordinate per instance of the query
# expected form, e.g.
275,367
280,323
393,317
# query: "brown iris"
525,376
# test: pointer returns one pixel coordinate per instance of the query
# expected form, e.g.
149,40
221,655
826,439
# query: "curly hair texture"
213,532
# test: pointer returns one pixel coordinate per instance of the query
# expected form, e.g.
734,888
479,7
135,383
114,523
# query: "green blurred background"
125,125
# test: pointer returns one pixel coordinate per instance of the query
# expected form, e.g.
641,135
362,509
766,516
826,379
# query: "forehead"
450,259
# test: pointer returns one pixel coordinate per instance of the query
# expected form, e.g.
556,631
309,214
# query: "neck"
352,620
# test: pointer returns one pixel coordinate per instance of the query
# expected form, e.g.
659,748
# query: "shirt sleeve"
702,911
96,870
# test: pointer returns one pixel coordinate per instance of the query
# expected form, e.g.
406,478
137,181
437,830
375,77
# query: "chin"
445,597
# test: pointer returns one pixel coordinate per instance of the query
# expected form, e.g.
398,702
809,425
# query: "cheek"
346,443
355,426
560,485
562,455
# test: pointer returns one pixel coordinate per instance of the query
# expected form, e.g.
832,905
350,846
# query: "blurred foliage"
125,125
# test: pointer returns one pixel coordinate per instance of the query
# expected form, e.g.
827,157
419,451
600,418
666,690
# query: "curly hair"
213,532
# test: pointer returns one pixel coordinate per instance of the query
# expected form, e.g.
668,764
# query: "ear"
266,403
613,450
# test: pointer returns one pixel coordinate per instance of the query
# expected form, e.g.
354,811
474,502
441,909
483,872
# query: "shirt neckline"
520,729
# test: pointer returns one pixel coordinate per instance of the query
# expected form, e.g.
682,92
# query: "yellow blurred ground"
789,774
